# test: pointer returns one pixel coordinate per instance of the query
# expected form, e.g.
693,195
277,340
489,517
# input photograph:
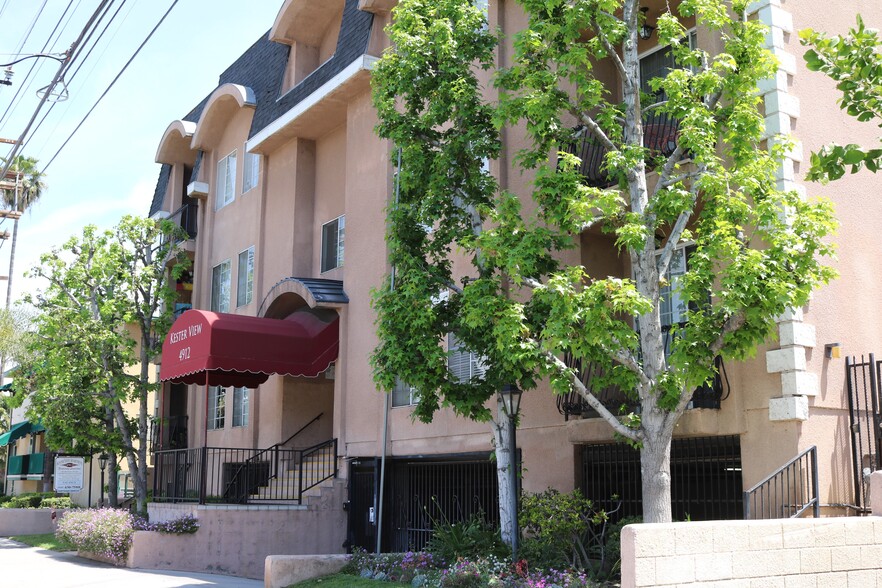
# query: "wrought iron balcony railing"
659,136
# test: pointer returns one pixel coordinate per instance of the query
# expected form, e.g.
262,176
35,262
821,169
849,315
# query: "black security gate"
362,504
705,478
424,491
862,377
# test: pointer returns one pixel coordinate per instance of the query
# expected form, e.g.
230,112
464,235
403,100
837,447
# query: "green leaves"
105,307
551,264
854,61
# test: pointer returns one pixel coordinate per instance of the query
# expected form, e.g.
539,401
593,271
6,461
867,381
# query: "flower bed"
421,570
107,532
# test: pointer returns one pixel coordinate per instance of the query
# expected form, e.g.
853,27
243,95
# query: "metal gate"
863,376
426,490
362,504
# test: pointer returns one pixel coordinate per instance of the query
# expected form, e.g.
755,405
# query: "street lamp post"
102,463
511,401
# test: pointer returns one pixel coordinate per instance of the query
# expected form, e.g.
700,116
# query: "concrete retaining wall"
28,521
283,570
841,552
236,540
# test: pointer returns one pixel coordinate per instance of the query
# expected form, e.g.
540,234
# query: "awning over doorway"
19,430
217,349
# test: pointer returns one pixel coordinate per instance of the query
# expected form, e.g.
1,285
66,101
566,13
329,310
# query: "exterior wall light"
645,30
833,350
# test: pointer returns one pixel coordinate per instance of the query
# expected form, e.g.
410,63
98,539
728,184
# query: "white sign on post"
69,474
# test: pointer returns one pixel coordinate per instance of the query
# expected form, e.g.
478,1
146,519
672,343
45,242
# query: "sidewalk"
38,567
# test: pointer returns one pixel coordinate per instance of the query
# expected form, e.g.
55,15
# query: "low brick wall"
28,521
841,552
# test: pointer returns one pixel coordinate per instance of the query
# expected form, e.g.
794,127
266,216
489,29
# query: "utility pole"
13,214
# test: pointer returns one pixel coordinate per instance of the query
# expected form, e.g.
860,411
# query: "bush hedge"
35,500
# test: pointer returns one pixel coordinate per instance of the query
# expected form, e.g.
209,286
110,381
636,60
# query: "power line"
27,34
25,84
58,75
135,54
74,75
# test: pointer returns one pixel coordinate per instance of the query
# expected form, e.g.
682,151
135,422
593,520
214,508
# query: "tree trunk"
655,467
11,265
140,475
112,487
504,461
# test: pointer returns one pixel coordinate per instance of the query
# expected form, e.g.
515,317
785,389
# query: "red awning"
216,349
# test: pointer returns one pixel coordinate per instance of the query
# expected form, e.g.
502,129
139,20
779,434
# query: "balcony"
708,395
26,467
168,433
186,218
659,136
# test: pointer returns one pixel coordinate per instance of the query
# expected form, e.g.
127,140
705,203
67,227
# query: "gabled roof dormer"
312,30
221,106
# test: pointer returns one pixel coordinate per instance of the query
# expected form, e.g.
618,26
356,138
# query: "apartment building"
270,421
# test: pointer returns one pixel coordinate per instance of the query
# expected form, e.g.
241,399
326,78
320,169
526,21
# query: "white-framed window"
657,62
462,363
220,287
404,394
240,407
333,237
217,404
226,181
484,7
245,277
672,305
251,171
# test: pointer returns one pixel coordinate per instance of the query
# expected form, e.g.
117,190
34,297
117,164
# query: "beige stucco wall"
28,521
339,166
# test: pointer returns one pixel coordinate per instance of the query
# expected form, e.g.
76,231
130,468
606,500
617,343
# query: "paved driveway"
38,567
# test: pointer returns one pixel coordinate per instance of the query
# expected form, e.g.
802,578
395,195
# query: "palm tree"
30,187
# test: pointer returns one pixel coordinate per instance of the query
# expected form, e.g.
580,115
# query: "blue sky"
107,169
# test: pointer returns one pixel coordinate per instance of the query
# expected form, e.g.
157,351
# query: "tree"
107,307
756,250
855,63
30,188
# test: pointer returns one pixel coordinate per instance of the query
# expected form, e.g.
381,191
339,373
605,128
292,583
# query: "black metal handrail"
787,492
660,135
274,450
219,474
708,395
176,428
185,217
323,465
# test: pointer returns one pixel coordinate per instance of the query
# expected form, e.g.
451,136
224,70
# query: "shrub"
470,539
557,528
613,544
104,531
35,500
57,502
26,500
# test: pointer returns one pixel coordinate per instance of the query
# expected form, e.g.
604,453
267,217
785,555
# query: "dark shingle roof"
262,68
355,32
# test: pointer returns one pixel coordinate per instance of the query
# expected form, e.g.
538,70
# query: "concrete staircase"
287,483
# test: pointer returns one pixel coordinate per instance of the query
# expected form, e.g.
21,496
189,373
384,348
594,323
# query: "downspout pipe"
386,399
